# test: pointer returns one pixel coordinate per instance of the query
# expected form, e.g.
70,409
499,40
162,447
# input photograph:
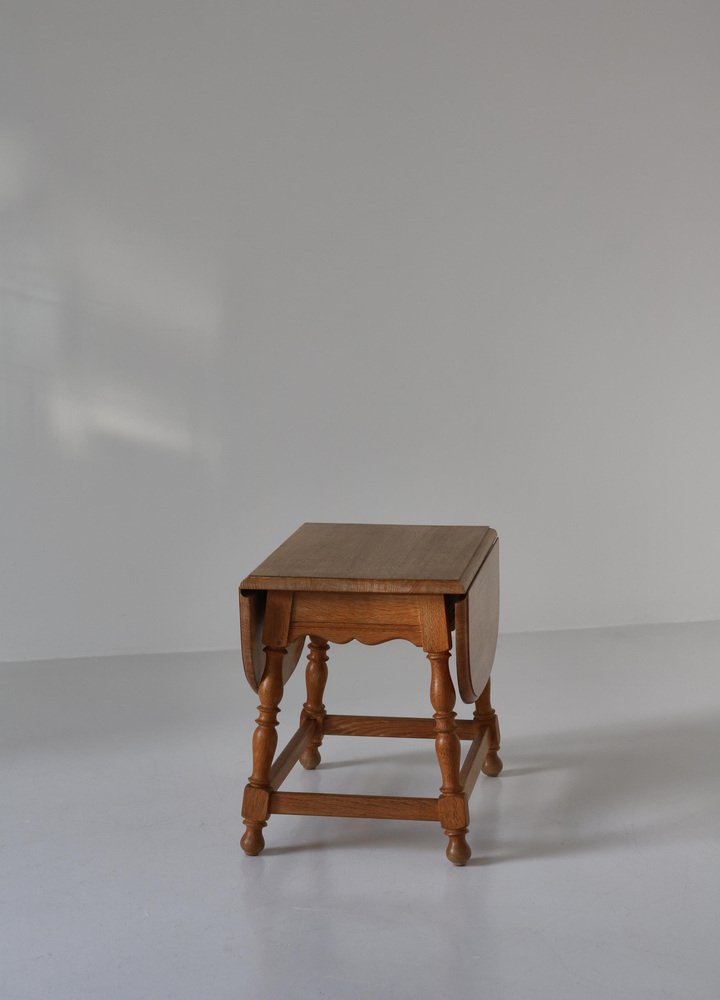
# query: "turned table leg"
452,804
316,674
256,800
485,714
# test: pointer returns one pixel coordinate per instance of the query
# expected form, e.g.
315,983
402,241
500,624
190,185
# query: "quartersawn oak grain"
375,558
382,582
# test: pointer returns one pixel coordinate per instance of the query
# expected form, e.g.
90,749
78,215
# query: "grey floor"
596,867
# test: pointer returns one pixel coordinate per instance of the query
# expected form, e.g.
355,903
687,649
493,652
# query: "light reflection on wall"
105,331
109,350
79,424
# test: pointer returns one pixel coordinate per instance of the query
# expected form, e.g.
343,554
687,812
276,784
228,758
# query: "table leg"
452,804
316,674
256,800
485,714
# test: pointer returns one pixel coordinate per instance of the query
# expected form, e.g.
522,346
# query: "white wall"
264,263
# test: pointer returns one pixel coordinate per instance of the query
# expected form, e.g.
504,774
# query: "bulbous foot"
458,850
492,765
252,841
310,758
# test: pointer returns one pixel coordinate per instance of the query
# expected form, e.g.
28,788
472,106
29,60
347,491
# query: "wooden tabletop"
376,558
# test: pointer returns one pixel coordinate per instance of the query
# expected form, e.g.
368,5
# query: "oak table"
373,582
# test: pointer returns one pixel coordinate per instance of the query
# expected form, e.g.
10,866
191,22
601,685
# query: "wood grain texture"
405,728
477,618
472,765
313,710
252,621
354,609
415,582
278,614
370,558
369,618
357,806
452,805
434,623
264,744
292,752
485,715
